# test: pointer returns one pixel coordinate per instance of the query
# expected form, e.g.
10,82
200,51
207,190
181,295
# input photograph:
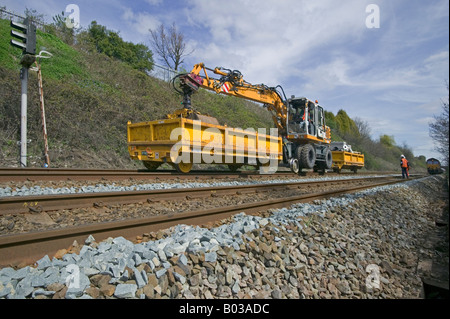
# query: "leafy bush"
111,44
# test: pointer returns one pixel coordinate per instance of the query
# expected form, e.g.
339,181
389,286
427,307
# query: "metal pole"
23,118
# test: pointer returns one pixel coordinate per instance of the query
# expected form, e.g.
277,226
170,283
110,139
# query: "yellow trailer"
347,160
182,142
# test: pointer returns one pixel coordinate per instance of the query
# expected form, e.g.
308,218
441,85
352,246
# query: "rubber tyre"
307,156
328,159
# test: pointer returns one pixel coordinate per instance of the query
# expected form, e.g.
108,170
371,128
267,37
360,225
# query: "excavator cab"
302,118
306,143
306,118
297,115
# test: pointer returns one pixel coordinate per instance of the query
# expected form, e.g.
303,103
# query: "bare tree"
363,128
169,45
439,131
35,16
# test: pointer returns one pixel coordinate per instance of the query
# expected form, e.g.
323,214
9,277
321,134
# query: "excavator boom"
232,83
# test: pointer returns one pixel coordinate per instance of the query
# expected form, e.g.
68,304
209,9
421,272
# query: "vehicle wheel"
307,156
293,164
328,159
297,159
151,166
183,167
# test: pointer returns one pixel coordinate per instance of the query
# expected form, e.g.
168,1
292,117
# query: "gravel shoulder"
368,245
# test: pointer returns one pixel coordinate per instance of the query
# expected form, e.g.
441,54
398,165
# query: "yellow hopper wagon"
345,158
188,138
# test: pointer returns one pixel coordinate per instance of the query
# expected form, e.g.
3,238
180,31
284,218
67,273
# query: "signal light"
27,36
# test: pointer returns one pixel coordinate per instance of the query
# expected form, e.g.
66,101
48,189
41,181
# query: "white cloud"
413,83
270,38
424,120
128,15
438,64
139,24
154,2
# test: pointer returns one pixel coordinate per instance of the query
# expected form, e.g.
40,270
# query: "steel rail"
29,247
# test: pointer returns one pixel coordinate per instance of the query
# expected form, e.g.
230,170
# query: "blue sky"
393,77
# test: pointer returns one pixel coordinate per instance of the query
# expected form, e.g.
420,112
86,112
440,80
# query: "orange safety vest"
404,163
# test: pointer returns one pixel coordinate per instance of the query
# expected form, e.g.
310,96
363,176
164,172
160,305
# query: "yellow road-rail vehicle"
301,139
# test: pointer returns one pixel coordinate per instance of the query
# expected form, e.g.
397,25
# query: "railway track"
37,204
52,174
31,246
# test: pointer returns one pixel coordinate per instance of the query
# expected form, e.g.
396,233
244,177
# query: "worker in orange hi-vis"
404,164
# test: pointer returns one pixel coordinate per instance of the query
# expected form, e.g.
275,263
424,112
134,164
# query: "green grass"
9,55
66,62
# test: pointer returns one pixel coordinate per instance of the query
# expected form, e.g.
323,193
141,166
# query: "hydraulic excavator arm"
231,83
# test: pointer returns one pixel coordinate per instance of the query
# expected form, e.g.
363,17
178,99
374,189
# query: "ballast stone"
211,257
44,262
160,272
125,291
141,278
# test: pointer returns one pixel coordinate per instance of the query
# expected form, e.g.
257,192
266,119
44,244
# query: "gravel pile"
365,245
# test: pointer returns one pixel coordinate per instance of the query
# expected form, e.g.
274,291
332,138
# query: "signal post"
27,35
